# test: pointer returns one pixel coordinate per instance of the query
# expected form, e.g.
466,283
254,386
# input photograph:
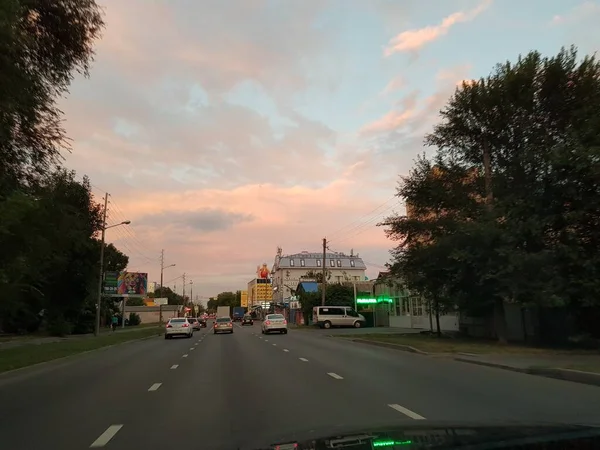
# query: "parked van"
337,316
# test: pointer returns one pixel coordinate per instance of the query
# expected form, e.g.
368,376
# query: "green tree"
42,43
500,213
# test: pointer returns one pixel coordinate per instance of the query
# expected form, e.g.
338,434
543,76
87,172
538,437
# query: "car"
274,322
178,326
202,321
195,323
223,324
247,320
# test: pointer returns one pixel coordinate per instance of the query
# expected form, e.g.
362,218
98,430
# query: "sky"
223,129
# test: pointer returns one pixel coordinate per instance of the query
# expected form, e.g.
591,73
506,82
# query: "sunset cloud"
413,40
222,130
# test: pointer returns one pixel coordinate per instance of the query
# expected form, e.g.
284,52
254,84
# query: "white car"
274,322
178,326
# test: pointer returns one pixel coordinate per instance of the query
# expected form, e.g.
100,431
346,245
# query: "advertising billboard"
132,284
262,272
110,283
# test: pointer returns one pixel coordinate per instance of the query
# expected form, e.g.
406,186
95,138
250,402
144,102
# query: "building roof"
349,262
309,286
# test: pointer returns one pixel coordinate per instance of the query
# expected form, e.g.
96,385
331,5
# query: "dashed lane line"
154,387
303,359
406,412
335,375
274,345
174,366
285,350
106,436
185,356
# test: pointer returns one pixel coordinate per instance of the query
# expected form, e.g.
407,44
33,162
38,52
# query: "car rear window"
177,320
223,320
275,317
192,319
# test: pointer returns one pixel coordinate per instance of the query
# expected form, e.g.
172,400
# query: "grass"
432,344
29,354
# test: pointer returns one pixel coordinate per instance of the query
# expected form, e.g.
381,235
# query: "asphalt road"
245,389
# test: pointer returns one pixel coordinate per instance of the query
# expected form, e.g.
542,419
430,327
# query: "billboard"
262,272
110,282
132,283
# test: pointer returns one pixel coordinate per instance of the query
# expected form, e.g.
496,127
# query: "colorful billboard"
262,271
132,283
111,281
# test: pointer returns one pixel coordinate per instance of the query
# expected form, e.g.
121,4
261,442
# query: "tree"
335,295
42,43
503,196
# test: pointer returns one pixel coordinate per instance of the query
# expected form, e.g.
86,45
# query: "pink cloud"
584,11
413,40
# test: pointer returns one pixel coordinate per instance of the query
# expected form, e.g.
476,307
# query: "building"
289,270
260,289
152,287
260,292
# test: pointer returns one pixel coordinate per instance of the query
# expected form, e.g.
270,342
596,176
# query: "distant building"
289,270
152,287
260,289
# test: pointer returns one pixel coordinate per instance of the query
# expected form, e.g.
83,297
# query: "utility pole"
162,268
101,275
183,296
324,281
191,291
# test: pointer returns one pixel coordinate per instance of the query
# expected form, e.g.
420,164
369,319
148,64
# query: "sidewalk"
578,366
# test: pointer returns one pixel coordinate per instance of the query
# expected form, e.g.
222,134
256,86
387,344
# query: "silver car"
178,326
274,322
223,325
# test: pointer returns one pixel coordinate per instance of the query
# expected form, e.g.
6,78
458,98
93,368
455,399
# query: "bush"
134,319
59,326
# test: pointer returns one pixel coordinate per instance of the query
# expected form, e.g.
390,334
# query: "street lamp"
99,299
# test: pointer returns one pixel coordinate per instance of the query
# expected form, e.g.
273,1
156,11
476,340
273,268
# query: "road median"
32,354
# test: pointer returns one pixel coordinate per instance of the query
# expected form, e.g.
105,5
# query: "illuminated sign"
371,301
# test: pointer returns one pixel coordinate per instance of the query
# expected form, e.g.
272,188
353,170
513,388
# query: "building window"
291,263
339,263
332,263
318,263
302,263
352,263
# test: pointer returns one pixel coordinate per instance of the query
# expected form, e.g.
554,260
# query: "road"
245,389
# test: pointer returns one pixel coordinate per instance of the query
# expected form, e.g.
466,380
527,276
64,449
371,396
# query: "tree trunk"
500,321
437,318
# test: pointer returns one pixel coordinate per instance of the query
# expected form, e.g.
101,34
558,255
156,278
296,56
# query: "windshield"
404,195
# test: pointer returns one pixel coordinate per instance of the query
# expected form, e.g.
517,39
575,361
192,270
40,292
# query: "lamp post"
100,278
162,269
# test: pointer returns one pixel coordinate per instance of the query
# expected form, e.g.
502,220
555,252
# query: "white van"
337,316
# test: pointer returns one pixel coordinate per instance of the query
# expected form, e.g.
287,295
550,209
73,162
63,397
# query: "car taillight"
268,322
284,322
185,325
229,324
169,325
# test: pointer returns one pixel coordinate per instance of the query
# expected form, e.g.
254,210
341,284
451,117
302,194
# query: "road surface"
245,389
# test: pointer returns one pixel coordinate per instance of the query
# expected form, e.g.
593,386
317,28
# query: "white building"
289,270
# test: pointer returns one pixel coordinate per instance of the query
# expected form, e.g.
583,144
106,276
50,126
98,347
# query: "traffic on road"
142,394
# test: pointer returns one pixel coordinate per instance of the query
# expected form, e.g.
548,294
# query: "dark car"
247,320
202,321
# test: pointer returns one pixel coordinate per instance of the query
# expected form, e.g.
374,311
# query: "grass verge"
30,354
432,344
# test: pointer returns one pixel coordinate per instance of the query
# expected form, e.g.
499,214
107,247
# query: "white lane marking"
192,348
195,344
285,350
303,359
274,345
266,340
106,436
174,366
406,412
335,375
154,387
185,356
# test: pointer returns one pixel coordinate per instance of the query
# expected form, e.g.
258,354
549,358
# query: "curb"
64,358
405,348
575,376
